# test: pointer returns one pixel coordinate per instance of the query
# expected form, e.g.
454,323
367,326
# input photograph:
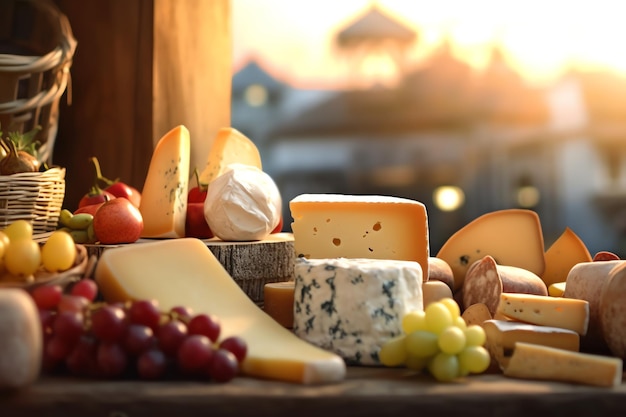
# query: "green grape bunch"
439,341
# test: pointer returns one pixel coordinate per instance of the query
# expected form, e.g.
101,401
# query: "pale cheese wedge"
512,237
230,146
557,289
545,310
532,361
503,334
164,195
566,251
184,272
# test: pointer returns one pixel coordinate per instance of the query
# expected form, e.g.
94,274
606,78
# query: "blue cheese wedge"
352,306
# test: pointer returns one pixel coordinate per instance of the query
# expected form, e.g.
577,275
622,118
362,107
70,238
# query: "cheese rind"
503,334
278,302
544,310
352,306
185,272
533,361
512,237
368,226
163,204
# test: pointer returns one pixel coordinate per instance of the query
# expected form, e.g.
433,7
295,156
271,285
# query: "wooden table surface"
364,392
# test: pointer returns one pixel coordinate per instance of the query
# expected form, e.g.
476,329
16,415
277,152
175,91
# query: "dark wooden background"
141,68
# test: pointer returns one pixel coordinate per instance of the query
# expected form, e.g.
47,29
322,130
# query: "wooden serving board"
371,392
251,264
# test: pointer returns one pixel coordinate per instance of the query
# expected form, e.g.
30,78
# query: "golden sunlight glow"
528,196
380,67
541,39
448,197
256,95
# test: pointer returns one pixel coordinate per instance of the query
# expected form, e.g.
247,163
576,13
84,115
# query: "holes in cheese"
185,272
365,226
512,237
229,146
544,310
164,195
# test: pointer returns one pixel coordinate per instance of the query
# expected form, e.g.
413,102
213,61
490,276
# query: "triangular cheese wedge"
164,195
185,272
567,251
230,146
512,237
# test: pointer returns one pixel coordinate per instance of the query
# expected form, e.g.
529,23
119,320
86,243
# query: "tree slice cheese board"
252,264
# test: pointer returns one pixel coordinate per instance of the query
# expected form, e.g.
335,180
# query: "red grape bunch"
95,339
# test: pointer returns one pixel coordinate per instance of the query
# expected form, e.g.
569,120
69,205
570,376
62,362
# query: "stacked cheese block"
360,267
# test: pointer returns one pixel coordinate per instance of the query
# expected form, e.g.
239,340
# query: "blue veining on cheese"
352,306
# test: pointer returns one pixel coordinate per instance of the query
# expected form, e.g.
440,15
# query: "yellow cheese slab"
185,272
360,226
229,146
164,195
557,289
567,251
545,310
503,334
533,361
512,237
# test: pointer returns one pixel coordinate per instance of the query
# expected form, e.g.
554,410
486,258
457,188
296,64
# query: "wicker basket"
33,196
82,268
36,52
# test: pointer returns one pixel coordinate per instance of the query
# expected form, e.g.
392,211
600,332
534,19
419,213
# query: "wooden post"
141,68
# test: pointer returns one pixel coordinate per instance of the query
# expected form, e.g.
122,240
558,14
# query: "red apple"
197,195
279,226
94,196
117,221
195,223
605,256
123,190
91,209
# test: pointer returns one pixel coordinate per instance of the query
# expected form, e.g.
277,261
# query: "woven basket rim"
50,172
58,60
63,53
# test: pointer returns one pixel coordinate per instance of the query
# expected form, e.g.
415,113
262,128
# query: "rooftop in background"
375,24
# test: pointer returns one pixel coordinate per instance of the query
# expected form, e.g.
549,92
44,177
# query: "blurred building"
463,142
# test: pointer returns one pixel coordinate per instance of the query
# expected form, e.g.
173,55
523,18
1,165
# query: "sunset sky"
294,39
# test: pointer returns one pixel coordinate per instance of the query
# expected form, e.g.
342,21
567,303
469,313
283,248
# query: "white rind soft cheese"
242,204
352,306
